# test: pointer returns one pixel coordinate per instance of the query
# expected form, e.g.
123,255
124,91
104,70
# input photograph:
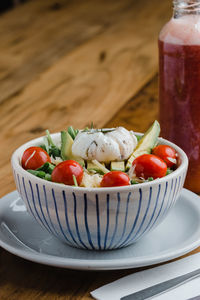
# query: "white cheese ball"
113,144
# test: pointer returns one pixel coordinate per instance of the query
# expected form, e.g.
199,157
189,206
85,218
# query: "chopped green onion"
50,141
150,179
54,151
50,147
72,132
76,131
46,144
86,129
47,177
47,168
40,174
43,147
169,171
75,181
134,181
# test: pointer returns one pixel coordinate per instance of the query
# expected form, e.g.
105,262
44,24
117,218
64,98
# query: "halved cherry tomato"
115,178
63,172
149,165
34,157
167,153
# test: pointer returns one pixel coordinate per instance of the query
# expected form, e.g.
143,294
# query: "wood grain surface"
72,62
69,63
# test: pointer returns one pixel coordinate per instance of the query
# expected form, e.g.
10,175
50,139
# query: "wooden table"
69,63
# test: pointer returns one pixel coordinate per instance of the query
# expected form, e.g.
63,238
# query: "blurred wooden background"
63,63
6,5
73,62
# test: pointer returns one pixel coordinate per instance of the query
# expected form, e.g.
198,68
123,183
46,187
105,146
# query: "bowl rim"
17,154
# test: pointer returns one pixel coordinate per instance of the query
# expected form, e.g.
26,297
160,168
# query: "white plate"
178,234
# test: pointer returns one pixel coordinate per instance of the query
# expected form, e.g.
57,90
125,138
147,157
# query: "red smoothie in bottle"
179,91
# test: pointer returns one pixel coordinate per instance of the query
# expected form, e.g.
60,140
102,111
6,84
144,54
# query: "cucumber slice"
92,167
117,166
100,166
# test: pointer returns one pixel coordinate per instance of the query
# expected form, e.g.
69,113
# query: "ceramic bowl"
98,218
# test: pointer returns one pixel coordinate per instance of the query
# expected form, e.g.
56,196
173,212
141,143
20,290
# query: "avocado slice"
92,167
117,166
100,166
146,143
66,148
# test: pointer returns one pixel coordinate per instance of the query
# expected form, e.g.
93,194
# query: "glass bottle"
179,84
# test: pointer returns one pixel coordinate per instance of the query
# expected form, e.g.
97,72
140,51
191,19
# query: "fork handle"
162,287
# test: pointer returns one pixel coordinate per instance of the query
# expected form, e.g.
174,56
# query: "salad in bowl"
99,189
107,157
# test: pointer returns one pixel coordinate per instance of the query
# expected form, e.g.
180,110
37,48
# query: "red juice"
179,91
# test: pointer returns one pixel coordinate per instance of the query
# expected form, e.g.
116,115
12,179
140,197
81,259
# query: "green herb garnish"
43,147
134,181
51,148
75,181
72,132
40,174
44,171
50,141
150,179
46,144
103,130
169,171
47,168
54,151
48,177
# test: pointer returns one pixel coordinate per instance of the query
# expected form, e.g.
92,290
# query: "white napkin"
141,280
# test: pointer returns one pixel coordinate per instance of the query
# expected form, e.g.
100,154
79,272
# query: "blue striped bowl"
98,218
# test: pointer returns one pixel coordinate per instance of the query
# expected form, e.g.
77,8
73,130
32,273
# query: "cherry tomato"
149,165
63,172
115,178
34,157
167,153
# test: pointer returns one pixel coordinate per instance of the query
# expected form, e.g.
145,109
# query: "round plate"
178,234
